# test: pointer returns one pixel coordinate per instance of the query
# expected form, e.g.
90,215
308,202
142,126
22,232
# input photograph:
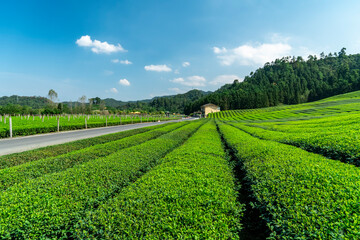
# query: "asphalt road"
20,144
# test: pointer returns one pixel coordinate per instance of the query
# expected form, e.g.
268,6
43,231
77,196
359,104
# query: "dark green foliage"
10,103
36,105
288,81
48,207
191,194
329,127
25,172
177,102
334,137
173,103
301,195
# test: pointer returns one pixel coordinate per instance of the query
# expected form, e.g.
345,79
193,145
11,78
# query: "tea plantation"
286,172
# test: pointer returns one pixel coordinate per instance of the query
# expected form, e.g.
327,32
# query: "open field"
29,125
293,175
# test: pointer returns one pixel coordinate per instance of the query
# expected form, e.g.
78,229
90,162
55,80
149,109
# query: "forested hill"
176,103
33,102
289,81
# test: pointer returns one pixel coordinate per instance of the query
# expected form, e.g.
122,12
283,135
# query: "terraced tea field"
301,163
289,172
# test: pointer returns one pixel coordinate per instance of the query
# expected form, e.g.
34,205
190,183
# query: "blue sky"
132,50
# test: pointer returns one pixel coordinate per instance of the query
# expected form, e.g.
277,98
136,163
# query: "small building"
209,108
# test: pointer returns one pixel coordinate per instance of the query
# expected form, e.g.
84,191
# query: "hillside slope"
172,103
289,81
339,105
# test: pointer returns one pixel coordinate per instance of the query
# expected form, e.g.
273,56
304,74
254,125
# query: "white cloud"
224,79
124,82
196,81
185,64
97,46
84,41
158,68
178,80
249,55
258,54
279,38
218,50
113,90
176,71
192,81
177,90
126,62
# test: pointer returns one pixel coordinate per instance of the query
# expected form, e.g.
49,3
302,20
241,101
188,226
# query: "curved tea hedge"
49,206
302,195
31,170
52,151
333,137
191,194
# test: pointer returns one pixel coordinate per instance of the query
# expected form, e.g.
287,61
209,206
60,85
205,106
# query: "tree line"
84,105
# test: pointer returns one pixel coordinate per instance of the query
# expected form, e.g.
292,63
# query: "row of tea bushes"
302,195
35,169
335,139
49,206
190,195
52,151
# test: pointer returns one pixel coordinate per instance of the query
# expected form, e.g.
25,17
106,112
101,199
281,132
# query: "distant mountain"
33,102
110,102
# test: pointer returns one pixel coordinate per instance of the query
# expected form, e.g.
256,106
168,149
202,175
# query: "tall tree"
52,95
82,100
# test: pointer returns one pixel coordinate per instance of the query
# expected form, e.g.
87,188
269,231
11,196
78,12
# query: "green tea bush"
48,207
302,195
190,195
52,151
30,170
